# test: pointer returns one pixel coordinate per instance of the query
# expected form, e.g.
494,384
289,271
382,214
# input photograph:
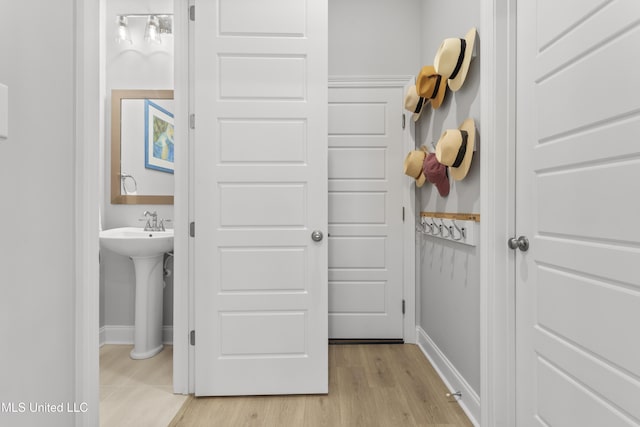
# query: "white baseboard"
470,401
110,334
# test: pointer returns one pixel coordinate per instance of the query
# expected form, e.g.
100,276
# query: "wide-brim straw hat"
431,85
413,166
453,58
414,103
455,149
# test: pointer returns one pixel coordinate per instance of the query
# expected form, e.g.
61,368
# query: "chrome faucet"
152,222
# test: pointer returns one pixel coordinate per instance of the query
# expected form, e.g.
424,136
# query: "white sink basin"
146,249
135,242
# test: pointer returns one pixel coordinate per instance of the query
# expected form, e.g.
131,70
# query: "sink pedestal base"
147,341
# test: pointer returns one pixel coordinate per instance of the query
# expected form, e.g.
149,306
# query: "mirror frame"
117,95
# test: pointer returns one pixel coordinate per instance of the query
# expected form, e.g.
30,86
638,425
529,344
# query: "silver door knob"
521,243
317,236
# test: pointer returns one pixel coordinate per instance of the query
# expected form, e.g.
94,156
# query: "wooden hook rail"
459,216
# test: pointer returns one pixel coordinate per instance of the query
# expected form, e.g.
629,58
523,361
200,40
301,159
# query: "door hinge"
192,13
192,229
192,121
403,214
192,337
403,306
404,120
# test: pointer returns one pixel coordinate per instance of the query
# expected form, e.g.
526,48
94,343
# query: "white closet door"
261,190
365,212
578,181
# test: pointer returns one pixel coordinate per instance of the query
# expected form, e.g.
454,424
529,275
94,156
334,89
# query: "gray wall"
449,280
374,37
37,273
136,66
384,37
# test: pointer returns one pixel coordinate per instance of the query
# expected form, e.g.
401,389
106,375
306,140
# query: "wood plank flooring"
369,385
136,393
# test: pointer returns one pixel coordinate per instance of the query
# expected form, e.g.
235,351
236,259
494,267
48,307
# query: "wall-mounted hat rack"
455,227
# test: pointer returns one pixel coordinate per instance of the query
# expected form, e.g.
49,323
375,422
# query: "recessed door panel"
270,269
265,18
603,321
258,77
357,163
357,252
262,205
357,119
273,334
357,298
357,208
263,141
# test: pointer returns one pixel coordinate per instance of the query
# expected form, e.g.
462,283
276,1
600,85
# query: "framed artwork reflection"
158,137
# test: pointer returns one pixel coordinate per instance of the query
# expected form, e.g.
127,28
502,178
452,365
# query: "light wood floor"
137,393
369,385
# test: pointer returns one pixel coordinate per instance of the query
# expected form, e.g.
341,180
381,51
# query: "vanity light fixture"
156,26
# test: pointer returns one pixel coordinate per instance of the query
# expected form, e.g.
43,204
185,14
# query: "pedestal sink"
146,249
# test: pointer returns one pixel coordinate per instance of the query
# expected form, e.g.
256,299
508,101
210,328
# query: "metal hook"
422,226
460,231
444,227
436,229
425,225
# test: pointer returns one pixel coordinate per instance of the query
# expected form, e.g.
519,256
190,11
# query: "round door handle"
317,236
521,243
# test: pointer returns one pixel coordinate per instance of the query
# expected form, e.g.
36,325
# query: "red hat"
436,174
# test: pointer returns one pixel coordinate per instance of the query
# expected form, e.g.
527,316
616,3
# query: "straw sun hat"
431,85
414,103
453,58
455,149
413,166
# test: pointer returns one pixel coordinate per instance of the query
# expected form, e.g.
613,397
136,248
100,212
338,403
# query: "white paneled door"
578,181
365,212
260,193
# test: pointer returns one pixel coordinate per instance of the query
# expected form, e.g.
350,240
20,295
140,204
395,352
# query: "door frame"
497,305
497,201
88,118
183,300
409,331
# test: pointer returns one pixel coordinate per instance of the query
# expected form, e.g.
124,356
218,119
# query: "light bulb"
122,30
152,31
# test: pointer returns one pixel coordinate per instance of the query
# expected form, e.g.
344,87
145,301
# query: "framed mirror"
142,147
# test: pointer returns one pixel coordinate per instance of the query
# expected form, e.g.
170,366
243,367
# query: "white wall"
374,37
137,66
449,282
37,307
